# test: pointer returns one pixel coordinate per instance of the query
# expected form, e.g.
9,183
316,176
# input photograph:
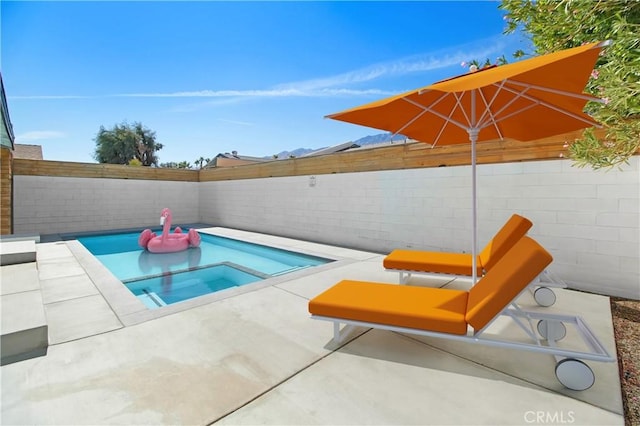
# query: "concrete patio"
255,357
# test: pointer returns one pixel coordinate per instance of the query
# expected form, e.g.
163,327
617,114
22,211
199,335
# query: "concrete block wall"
53,205
588,220
369,210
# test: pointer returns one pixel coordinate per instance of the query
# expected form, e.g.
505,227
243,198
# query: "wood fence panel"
400,156
393,157
108,171
6,192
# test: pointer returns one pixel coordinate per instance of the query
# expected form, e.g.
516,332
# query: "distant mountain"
295,153
367,140
379,138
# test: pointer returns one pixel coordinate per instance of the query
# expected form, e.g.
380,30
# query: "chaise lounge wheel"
575,374
552,330
544,296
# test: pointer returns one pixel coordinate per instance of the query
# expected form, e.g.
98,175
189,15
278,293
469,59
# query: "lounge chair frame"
581,376
540,289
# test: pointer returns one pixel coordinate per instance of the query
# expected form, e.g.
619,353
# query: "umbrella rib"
537,101
410,121
484,122
426,109
464,112
444,126
436,113
434,103
487,111
496,121
448,119
558,92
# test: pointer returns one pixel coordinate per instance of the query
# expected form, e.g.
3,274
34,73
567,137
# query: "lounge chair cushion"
431,261
515,228
461,263
424,308
506,280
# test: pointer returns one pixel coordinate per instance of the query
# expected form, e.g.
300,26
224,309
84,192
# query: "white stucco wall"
588,220
53,205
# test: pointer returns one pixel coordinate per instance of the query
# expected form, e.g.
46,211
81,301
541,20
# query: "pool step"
14,252
24,324
151,300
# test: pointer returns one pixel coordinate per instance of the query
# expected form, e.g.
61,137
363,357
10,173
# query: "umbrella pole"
473,137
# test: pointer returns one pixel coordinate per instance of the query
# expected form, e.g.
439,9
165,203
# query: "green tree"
125,142
559,24
169,165
174,165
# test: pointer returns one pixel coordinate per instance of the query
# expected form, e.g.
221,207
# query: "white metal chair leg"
336,331
405,277
572,373
541,288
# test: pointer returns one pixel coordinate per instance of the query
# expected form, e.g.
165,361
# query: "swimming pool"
219,263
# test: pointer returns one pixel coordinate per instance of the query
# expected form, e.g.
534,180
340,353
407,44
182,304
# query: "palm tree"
201,162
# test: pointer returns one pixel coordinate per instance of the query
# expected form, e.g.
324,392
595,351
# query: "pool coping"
278,367
130,310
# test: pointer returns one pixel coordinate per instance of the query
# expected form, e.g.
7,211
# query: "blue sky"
211,77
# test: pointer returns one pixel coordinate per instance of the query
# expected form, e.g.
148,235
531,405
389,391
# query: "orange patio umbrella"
527,100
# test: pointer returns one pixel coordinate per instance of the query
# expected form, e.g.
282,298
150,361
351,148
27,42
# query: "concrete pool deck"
255,357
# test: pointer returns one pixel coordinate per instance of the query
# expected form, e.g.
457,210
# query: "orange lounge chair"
407,262
465,315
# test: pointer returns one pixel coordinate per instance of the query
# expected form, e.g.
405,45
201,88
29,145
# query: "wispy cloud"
342,84
348,84
403,66
268,93
37,135
44,97
345,84
215,99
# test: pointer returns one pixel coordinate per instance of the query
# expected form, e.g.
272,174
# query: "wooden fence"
391,157
107,171
6,192
399,156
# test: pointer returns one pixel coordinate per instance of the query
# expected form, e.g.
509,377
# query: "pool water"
159,279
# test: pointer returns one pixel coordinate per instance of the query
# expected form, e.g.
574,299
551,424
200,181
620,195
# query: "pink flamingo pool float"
168,242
